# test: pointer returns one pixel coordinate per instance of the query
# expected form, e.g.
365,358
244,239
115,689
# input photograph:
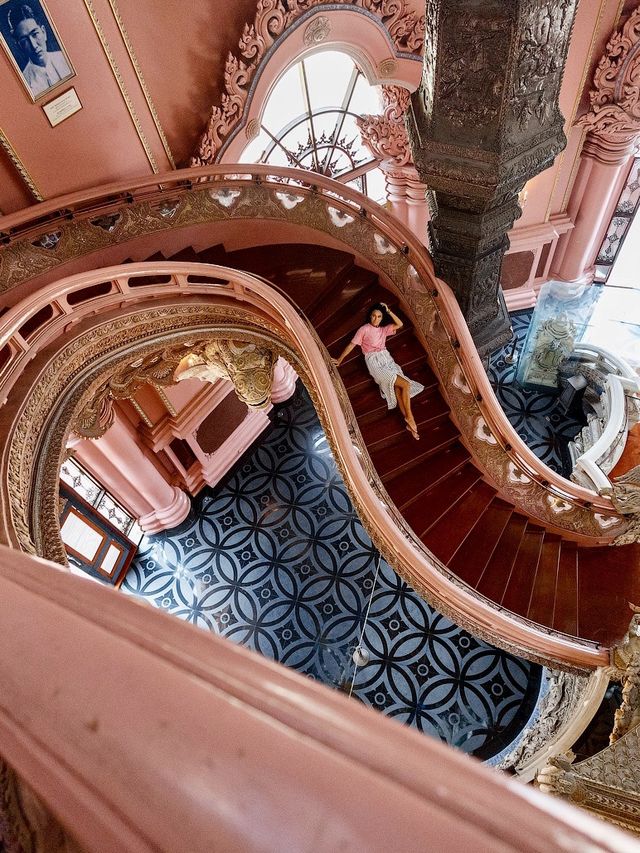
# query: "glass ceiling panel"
366,99
332,87
328,75
285,101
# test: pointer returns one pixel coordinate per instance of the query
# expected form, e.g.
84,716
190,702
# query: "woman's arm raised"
397,322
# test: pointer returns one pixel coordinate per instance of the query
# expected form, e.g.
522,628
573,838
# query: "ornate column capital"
613,121
386,135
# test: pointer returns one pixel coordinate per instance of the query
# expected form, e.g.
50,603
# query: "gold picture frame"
34,47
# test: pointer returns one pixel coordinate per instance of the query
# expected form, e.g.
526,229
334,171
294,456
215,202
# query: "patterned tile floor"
537,417
276,559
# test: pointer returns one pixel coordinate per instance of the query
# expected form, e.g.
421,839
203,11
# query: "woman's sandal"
413,429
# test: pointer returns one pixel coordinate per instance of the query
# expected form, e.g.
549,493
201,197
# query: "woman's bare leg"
403,396
400,398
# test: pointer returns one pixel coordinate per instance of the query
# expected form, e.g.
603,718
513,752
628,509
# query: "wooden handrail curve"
386,526
143,733
405,262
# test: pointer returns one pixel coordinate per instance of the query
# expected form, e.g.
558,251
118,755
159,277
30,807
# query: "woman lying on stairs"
394,386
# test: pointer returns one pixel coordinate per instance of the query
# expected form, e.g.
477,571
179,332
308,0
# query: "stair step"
187,255
384,427
474,553
367,402
565,615
428,507
339,301
214,255
403,490
494,578
445,536
304,272
517,594
611,575
405,452
543,594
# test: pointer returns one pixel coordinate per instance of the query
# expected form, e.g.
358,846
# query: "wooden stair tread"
494,578
474,553
347,300
517,594
388,425
418,479
405,452
428,507
543,593
565,617
444,537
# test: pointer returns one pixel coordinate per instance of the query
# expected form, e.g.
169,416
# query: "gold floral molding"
71,378
614,116
386,135
406,30
233,200
608,784
22,170
625,497
248,366
626,660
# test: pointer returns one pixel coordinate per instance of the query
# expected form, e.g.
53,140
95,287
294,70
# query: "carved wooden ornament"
615,99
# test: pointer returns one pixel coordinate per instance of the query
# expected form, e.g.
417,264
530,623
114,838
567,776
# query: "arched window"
309,122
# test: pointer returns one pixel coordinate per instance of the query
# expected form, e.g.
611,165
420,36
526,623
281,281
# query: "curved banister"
143,733
88,203
389,530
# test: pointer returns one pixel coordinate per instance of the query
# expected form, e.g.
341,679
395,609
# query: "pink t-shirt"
373,338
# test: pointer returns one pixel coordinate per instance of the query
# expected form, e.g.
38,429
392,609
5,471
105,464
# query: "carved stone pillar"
484,121
613,131
386,137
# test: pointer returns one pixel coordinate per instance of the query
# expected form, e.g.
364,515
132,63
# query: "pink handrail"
419,567
86,203
143,733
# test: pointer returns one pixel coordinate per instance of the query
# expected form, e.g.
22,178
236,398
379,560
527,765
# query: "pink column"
284,381
407,196
120,465
612,124
601,174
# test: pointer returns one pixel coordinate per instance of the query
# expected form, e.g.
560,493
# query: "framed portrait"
33,46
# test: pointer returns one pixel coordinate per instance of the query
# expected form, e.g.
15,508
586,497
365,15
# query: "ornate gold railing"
181,293
44,237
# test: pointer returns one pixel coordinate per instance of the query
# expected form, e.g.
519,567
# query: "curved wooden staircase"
497,550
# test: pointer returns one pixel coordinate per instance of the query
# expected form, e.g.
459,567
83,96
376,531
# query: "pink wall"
182,57
100,143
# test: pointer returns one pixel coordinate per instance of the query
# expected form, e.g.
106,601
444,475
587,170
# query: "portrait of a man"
32,44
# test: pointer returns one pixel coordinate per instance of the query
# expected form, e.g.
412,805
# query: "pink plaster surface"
100,142
184,52
223,748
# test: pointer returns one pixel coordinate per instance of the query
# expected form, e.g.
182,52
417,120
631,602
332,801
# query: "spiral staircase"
500,552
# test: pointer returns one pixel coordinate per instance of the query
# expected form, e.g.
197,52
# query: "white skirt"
385,371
